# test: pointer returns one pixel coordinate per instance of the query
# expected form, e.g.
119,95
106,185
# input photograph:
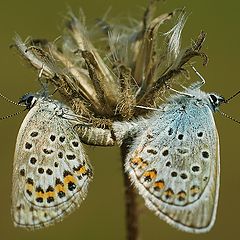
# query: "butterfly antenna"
227,116
233,96
8,100
12,115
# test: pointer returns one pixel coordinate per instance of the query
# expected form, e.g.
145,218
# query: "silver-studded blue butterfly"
51,172
174,159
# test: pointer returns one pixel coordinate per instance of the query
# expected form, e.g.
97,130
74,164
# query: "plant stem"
131,204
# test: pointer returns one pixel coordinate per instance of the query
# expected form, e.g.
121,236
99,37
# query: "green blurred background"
101,216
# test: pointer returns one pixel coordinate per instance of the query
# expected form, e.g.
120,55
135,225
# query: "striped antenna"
233,96
8,100
12,115
227,116
227,101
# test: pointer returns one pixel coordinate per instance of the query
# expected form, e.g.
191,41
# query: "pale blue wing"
174,163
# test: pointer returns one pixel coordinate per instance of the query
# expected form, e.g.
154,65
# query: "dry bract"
132,71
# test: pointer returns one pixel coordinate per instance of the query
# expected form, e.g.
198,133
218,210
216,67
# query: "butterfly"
51,171
174,159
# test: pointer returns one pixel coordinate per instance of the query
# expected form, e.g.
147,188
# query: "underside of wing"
175,167
51,171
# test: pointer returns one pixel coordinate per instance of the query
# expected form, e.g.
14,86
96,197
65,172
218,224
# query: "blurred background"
101,215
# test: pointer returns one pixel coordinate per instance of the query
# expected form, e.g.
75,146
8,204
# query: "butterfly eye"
28,100
213,98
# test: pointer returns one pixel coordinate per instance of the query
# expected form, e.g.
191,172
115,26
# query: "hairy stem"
131,204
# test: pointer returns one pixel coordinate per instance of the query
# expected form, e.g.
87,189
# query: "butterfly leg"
198,85
178,92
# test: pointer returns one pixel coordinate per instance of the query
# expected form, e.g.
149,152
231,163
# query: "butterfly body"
174,160
51,172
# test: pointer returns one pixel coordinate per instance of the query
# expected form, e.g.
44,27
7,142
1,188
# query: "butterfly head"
215,100
28,100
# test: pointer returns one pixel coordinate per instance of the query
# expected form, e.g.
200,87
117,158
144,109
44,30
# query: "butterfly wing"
174,163
51,171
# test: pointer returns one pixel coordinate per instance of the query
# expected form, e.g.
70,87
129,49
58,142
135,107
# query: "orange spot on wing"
194,190
143,165
49,194
69,178
40,195
60,187
138,161
159,184
150,174
169,192
82,170
182,195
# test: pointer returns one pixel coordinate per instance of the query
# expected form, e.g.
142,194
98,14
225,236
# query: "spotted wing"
51,171
174,163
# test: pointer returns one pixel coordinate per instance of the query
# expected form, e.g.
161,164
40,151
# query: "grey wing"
51,171
174,163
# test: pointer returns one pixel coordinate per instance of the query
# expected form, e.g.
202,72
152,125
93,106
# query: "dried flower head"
131,69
